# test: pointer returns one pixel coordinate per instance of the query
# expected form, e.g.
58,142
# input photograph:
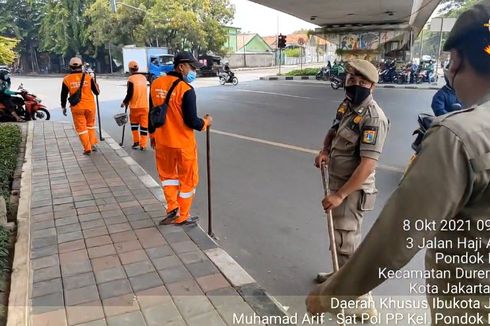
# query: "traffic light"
281,41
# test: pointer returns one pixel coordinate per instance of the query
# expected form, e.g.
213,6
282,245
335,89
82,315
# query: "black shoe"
190,221
171,216
95,149
135,145
87,153
142,148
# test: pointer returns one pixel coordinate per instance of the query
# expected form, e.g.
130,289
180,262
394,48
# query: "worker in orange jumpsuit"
137,99
174,142
83,112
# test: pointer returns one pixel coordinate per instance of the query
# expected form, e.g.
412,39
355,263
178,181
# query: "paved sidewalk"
98,256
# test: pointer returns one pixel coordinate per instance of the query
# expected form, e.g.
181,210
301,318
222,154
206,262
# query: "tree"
7,54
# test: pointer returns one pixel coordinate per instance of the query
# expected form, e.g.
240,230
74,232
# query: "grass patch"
304,72
10,138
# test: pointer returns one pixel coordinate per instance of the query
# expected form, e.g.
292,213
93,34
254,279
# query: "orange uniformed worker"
174,142
137,100
84,112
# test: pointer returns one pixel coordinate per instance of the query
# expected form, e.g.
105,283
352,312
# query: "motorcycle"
323,74
224,78
337,82
33,107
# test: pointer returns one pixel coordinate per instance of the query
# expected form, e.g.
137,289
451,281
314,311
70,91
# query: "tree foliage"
7,54
64,28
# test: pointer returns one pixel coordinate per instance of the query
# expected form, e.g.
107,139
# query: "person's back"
445,101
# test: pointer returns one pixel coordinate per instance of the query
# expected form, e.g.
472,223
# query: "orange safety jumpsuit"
137,99
175,145
84,112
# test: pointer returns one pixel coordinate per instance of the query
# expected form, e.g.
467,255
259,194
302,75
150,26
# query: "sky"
252,17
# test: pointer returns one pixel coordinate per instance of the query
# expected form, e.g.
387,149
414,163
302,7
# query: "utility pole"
244,51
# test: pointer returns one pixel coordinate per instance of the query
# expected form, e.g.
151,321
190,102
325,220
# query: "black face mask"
357,94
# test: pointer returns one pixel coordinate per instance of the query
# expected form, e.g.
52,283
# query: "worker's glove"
64,111
123,105
152,143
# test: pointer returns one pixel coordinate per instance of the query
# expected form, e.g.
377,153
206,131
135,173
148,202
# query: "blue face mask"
191,76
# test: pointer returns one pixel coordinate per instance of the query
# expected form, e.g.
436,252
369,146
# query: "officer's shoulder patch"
369,135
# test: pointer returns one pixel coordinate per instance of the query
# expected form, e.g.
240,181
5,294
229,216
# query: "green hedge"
304,72
10,138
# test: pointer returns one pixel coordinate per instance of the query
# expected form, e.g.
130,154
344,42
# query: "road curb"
20,278
288,78
256,296
415,87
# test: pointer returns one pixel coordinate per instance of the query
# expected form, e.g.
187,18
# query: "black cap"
187,57
473,22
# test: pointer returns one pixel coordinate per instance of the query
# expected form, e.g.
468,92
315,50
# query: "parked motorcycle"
224,78
337,81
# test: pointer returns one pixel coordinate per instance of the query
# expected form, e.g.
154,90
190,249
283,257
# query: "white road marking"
272,93
295,148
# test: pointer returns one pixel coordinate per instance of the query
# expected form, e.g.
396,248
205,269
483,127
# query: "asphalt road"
266,192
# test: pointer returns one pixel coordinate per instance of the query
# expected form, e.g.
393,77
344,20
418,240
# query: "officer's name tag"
369,135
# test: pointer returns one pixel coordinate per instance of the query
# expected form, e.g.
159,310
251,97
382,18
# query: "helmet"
4,74
75,62
133,65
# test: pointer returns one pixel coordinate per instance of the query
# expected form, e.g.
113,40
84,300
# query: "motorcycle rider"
228,72
6,94
445,100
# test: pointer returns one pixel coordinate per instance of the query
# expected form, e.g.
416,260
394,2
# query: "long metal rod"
331,232
124,128
98,109
208,167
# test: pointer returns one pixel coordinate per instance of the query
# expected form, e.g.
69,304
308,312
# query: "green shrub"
5,248
304,72
10,138
292,52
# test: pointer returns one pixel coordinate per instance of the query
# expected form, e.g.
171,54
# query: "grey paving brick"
71,236
195,305
66,221
193,257
138,268
154,296
68,228
89,217
78,281
85,312
184,246
114,288
176,237
123,236
116,228
202,269
159,252
93,224
212,282
115,220
141,224
76,268
184,288
95,232
42,225
106,250
44,242
46,287
110,274
166,262
174,274
48,273
128,246
44,262
100,322
133,256
50,302
162,315
105,262
71,246
120,305
98,241
130,319
145,281
209,318
44,251
81,295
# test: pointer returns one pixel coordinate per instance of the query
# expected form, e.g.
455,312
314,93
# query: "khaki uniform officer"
352,148
446,192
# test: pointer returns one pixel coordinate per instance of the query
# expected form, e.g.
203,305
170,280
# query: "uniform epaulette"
440,119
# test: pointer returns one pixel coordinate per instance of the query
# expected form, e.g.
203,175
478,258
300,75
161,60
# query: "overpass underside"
369,29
